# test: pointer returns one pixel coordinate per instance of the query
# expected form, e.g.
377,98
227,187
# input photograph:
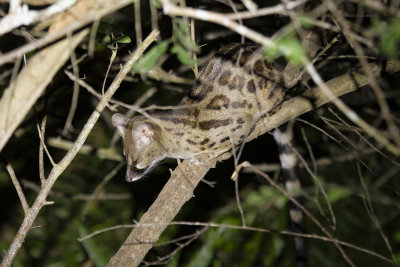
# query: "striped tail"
284,138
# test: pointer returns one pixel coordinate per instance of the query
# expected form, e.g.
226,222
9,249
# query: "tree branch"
184,179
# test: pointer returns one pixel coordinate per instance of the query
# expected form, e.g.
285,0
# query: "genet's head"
142,147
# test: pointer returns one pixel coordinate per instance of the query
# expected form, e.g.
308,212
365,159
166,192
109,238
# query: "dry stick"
41,137
184,179
277,9
64,163
154,15
217,18
17,186
42,133
68,127
138,22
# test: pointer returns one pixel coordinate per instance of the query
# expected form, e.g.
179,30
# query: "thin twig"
75,95
277,9
138,22
17,186
41,146
45,147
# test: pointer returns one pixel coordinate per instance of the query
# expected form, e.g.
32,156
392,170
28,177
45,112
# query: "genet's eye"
140,166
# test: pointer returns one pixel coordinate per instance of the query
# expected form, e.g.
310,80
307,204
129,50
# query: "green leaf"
112,46
390,38
183,55
184,38
289,47
106,40
123,40
150,59
337,193
306,22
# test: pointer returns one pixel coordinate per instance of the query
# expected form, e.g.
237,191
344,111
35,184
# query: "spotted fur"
232,92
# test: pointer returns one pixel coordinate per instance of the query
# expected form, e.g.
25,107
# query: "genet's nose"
133,174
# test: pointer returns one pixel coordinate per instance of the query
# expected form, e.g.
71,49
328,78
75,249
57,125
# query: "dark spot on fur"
251,87
238,104
186,111
217,102
240,120
224,139
235,104
202,148
224,78
236,83
178,120
190,142
261,84
200,91
242,137
205,141
207,125
244,57
259,66
179,134
250,106
211,145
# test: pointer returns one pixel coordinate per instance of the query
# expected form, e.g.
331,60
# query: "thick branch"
184,179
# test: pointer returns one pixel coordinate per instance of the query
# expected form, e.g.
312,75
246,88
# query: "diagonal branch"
184,179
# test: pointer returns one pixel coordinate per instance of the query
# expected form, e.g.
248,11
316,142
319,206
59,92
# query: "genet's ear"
120,122
143,134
